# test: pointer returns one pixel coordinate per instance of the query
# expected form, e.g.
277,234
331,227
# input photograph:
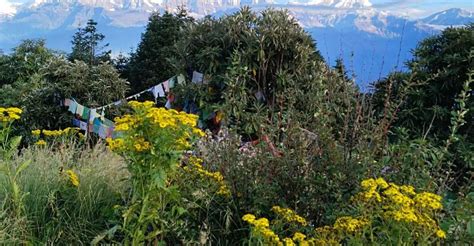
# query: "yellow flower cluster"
261,228
138,144
196,166
73,177
55,133
157,116
9,114
289,215
349,224
141,145
41,142
401,203
148,119
428,200
115,144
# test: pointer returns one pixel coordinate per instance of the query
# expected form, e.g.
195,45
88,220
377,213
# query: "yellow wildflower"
198,132
9,114
381,183
440,233
141,145
428,200
368,184
117,144
262,222
288,242
249,218
41,142
289,215
36,132
73,177
298,237
408,189
349,224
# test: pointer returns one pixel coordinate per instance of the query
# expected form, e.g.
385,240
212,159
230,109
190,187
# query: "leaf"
22,167
108,233
470,227
14,143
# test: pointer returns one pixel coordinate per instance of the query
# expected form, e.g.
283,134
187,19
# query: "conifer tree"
86,45
149,64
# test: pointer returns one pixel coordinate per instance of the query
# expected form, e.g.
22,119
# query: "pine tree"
149,64
86,45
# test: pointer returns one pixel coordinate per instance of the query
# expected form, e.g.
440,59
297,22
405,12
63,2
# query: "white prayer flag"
158,91
197,77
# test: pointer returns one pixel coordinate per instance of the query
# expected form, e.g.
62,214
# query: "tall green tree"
27,58
437,73
149,64
251,63
87,45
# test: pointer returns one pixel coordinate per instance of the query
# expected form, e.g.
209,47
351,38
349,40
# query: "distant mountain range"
371,42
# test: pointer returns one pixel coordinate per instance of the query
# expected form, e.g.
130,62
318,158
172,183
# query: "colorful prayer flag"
72,107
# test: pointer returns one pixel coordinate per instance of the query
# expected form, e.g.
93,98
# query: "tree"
438,70
86,45
43,79
26,59
121,63
149,64
252,62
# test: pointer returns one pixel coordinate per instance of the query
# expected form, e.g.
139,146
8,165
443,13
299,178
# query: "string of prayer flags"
93,122
197,78
79,110
93,119
181,79
158,91
166,86
83,126
86,113
172,82
93,115
72,107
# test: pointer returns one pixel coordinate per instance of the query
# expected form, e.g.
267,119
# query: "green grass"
55,210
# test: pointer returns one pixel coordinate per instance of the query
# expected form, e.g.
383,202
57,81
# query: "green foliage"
40,86
39,202
86,45
254,60
438,71
26,60
149,65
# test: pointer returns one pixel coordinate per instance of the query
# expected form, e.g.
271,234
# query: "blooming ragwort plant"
387,214
152,140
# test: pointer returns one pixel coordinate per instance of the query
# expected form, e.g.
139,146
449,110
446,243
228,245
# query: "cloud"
6,7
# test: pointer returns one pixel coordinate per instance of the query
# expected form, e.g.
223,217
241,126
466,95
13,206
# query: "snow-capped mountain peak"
106,4
353,4
342,4
449,17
